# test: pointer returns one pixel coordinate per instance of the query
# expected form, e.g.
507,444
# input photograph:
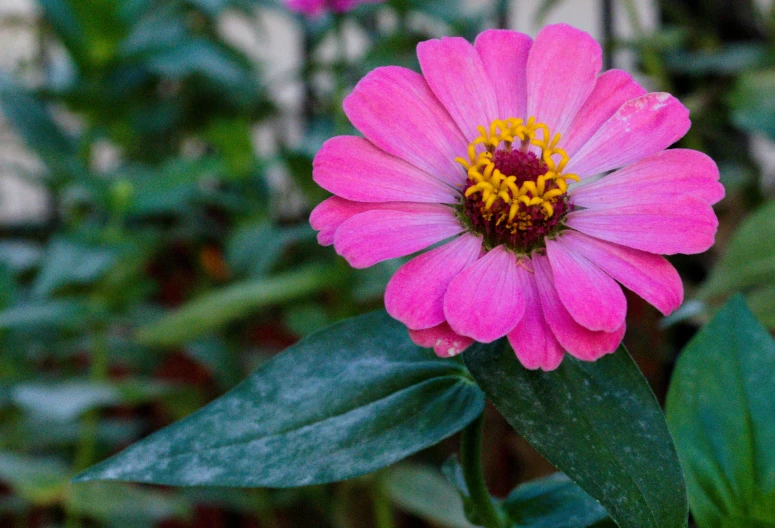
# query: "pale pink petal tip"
442,339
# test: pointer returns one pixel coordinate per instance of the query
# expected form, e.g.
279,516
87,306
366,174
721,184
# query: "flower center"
513,195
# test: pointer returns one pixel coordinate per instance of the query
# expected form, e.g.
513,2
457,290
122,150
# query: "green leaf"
60,313
720,408
552,502
123,505
31,119
599,423
421,490
39,480
238,300
343,402
69,262
64,401
753,108
749,259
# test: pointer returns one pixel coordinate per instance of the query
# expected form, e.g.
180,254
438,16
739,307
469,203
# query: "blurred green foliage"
163,276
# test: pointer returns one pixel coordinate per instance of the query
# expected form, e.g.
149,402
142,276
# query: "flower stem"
471,459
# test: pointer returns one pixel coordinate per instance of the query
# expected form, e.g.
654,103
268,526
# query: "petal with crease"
374,236
485,301
650,276
415,294
682,224
504,55
396,110
580,342
442,339
674,172
593,298
455,73
640,128
612,89
532,339
353,168
561,71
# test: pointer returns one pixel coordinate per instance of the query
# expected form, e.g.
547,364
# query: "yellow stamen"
494,185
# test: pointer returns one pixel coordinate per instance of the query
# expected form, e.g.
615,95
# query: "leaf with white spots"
599,423
343,402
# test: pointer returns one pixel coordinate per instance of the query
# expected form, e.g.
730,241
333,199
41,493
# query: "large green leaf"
721,410
343,402
599,423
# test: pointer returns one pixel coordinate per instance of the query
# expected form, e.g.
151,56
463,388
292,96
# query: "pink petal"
374,236
561,71
397,111
353,168
592,298
415,294
640,128
673,172
612,89
485,301
504,55
442,339
683,224
650,276
330,213
455,73
585,344
532,339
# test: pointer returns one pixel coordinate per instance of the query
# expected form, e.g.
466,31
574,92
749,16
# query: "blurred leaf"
762,304
422,490
39,480
122,505
199,56
753,108
32,121
171,188
232,138
599,423
59,314
552,502
214,310
39,434
341,403
69,262
20,255
730,59
720,408
749,258
66,400
254,249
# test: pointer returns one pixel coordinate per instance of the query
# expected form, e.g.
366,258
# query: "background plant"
168,273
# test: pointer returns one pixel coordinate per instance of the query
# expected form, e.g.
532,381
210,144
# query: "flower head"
314,8
540,181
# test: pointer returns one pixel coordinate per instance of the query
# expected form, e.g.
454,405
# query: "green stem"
87,443
383,511
471,459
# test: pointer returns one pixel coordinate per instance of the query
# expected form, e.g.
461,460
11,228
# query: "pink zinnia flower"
502,150
314,8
